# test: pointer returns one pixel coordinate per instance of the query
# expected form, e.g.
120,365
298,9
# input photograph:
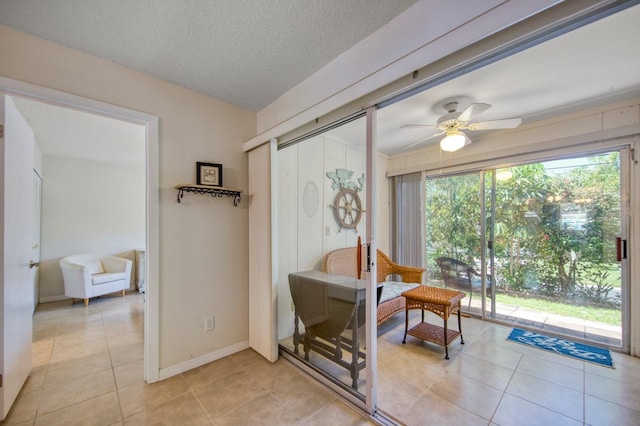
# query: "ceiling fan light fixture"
453,141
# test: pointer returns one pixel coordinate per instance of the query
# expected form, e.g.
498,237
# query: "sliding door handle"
621,249
359,258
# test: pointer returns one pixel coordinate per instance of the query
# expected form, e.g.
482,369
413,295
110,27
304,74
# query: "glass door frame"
371,329
625,234
434,175
487,245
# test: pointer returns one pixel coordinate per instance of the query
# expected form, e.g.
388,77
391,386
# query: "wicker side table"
441,302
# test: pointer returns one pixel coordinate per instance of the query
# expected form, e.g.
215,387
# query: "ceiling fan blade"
507,123
416,126
473,111
422,141
467,140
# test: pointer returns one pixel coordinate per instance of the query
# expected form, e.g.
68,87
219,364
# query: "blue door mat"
564,347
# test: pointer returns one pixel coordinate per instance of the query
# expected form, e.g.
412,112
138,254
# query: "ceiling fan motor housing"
448,120
451,107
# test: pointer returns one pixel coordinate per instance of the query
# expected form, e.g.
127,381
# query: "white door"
35,241
16,285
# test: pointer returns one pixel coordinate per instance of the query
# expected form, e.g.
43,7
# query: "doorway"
150,123
96,165
86,215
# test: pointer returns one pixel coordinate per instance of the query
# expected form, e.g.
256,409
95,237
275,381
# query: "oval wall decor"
311,199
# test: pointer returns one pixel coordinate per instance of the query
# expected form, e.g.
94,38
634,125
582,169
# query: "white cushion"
107,277
393,289
95,267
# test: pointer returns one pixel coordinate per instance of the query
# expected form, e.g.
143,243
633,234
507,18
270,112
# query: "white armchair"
91,275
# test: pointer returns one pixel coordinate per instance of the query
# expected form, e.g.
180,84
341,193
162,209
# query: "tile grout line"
113,370
48,364
515,369
192,391
584,394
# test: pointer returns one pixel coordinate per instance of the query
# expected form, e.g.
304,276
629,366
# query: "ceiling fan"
453,122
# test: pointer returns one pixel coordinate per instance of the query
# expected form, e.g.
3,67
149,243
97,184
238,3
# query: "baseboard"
202,360
49,299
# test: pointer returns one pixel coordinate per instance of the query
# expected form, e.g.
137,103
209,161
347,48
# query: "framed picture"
209,174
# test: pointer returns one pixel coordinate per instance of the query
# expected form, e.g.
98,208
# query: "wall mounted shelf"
214,191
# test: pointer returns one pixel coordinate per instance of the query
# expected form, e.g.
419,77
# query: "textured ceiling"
245,52
65,132
594,64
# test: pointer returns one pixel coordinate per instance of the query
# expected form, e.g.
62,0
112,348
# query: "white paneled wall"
339,155
287,212
307,228
310,224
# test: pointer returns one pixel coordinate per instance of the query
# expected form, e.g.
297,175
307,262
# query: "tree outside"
555,226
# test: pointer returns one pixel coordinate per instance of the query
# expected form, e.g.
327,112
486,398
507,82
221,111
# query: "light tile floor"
88,371
491,381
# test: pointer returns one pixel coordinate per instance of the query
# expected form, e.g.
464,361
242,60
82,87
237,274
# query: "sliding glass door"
542,242
454,249
324,290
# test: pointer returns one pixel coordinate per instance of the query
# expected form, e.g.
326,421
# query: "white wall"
203,253
88,207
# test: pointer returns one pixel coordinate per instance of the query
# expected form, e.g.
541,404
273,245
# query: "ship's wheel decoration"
347,206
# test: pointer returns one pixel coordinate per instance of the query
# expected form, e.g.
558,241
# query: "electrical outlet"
209,323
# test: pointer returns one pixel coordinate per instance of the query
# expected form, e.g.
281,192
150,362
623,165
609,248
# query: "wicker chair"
343,262
460,276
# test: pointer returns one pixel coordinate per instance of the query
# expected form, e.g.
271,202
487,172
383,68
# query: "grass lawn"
603,315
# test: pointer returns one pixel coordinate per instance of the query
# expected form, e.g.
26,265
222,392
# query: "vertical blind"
407,200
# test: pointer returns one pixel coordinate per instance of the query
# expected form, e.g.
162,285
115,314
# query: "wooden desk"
441,302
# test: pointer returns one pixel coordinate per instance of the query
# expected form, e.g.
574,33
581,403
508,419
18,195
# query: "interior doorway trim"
152,191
